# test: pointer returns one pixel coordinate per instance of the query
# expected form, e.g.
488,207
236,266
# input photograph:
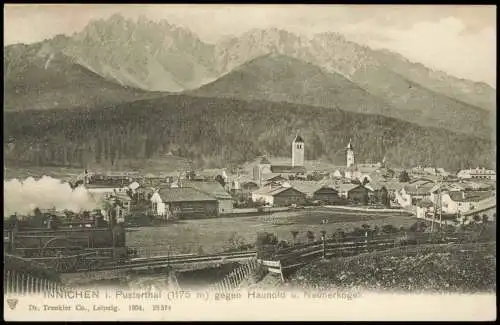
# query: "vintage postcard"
249,162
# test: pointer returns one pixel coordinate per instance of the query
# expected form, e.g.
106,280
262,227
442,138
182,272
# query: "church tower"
350,154
298,151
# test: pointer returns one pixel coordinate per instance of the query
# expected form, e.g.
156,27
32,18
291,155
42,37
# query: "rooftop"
347,187
214,189
298,138
287,169
274,190
184,194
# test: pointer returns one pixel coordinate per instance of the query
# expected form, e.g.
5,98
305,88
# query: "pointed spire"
349,145
298,138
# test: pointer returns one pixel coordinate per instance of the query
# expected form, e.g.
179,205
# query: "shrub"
310,236
389,229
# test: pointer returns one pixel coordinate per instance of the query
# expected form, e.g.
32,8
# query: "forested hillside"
215,132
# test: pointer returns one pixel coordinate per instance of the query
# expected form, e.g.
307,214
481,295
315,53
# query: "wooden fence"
285,260
20,283
236,277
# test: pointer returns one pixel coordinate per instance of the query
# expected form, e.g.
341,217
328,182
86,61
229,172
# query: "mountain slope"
334,53
143,54
280,78
230,132
159,56
475,93
39,77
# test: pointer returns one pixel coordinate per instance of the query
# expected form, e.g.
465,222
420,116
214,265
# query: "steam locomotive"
75,246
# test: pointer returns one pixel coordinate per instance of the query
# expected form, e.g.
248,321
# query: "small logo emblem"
12,303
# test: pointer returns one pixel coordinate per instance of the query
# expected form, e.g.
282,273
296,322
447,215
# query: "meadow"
205,236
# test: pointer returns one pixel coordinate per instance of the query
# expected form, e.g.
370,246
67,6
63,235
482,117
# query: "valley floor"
215,235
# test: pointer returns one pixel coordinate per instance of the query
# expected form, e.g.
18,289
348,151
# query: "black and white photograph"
249,162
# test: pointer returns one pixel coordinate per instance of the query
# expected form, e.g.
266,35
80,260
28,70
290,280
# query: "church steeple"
298,151
298,138
349,155
349,145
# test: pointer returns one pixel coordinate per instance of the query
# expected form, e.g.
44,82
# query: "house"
418,191
108,186
277,178
125,202
281,196
453,201
353,192
327,194
477,173
249,186
118,201
486,207
158,207
306,187
337,174
214,189
475,186
184,202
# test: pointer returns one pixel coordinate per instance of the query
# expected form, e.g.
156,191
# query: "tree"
384,197
294,235
310,236
38,218
388,229
404,177
263,243
339,235
220,180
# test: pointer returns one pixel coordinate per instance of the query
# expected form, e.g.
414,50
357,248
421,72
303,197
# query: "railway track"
144,263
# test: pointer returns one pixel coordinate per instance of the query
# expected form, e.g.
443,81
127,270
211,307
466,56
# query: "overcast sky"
460,40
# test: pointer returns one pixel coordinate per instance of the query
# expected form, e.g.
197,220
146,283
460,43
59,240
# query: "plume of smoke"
22,197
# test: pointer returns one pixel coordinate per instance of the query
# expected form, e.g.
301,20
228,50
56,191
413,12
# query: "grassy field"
215,235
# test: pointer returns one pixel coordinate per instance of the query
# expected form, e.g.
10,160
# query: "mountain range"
37,77
116,64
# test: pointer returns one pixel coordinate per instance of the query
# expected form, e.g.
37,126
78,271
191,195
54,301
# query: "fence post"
323,238
31,284
366,241
27,290
23,285
7,283
17,284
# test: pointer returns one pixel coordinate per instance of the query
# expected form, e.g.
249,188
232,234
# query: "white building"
477,173
158,206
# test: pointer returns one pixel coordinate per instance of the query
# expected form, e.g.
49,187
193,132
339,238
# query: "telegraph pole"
440,207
